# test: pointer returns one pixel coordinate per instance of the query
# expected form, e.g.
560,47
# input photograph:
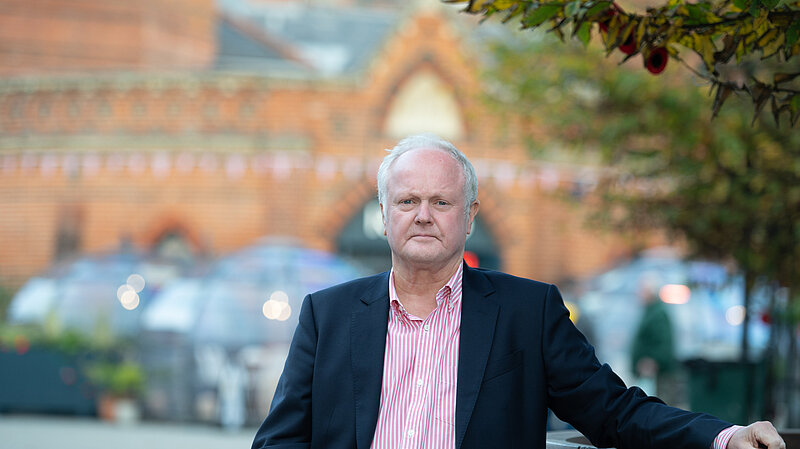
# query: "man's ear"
383,218
473,212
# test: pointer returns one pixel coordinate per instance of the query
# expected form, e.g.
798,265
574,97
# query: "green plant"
124,379
6,294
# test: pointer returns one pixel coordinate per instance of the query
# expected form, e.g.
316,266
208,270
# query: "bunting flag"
281,165
9,164
91,165
325,168
48,165
549,179
235,166
161,165
504,174
284,164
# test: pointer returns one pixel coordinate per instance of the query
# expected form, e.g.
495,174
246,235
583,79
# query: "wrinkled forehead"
429,170
427,158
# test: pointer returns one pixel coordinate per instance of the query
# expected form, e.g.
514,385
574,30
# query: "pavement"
68,432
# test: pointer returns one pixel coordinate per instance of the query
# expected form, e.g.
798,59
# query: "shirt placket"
427,355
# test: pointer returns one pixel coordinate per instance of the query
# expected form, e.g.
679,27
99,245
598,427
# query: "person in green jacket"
653,350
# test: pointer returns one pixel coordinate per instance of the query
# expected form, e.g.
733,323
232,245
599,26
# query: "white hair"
421,141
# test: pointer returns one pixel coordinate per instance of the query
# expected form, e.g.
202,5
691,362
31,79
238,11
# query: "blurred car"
703,300
213,347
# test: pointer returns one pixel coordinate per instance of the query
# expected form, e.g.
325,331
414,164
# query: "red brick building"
177,124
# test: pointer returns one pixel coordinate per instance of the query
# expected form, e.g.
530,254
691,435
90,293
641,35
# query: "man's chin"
427,259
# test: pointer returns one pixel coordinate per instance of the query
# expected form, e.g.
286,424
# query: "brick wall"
231,158
57,36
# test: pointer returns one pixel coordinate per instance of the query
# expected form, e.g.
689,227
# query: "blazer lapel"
368,326
478,319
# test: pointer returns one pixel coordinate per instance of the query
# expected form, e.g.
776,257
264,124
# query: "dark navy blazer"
519,354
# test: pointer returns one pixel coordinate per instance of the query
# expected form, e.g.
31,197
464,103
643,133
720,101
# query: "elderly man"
435,354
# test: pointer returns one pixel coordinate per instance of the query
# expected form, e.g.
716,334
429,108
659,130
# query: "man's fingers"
755,436
766,436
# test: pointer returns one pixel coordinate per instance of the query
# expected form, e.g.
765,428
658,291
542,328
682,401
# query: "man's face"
424,211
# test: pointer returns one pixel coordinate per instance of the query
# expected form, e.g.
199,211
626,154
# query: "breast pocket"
502,365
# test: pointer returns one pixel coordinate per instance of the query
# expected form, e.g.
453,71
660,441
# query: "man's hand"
758,434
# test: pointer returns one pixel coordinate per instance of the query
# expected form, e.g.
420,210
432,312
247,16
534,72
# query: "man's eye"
406,202
442,203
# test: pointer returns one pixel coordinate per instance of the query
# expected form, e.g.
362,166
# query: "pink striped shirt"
721,441
418,393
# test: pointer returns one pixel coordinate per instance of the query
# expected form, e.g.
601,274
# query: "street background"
176,175
40,432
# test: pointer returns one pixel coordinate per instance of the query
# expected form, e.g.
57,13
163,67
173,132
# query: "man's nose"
423,213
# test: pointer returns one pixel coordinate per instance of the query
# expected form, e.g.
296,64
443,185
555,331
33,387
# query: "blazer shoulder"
361,288
505,281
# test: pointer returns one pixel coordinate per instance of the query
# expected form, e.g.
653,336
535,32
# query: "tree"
714,31
729,189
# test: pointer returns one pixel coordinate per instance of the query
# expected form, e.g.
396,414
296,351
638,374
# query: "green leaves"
793,32
714,31
540,15
584,33
728,189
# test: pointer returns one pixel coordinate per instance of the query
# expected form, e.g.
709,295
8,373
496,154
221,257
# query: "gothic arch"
168,228
423,77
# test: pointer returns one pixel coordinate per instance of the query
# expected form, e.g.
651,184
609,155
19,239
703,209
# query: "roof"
298,38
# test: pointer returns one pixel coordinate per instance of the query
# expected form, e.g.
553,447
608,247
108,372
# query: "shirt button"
427,327
411,433
450,306
419,382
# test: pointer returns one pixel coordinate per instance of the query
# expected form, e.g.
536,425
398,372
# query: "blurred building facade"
195,127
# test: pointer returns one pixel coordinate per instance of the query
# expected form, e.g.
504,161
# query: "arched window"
424,103
173,245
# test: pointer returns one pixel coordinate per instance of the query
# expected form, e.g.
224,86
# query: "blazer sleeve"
591,397
288,424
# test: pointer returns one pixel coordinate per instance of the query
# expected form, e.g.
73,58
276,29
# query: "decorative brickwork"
226,159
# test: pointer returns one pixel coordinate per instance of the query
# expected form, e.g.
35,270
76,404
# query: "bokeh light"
277,306
675,294
124,288
137,282
129,299
735,315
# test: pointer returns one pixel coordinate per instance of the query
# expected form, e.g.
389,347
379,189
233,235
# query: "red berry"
629,46
656,60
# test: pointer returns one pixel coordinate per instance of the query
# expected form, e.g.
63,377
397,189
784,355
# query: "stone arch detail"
424,65
171,224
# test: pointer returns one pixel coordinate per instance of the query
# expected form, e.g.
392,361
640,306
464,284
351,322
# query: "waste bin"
720,387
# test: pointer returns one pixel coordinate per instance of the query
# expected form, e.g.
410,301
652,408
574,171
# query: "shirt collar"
444,293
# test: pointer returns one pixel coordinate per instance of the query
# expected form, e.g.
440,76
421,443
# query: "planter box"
43,381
